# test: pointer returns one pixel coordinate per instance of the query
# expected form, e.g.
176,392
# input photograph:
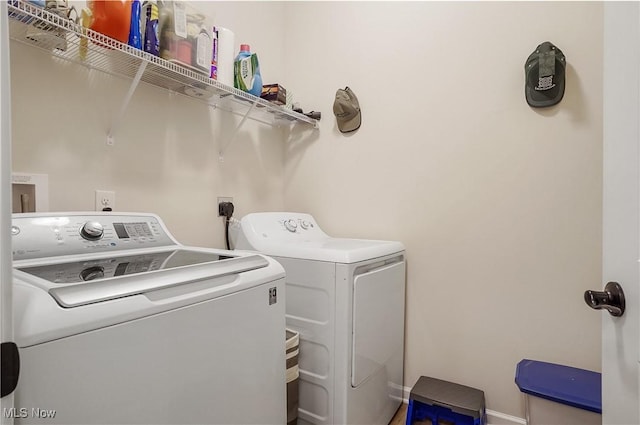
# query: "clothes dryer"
118,323
346,299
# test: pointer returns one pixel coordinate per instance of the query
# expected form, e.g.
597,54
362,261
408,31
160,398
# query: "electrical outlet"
222,199
105,199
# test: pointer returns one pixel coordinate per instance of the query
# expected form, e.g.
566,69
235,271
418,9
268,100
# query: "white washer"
118,323
346,298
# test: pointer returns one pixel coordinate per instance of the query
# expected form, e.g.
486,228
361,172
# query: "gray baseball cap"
347,110
545,72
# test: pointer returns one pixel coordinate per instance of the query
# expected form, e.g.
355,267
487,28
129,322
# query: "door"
621,215
6,326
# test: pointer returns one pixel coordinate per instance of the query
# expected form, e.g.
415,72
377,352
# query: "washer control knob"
91,273
92,230
291,225
304,224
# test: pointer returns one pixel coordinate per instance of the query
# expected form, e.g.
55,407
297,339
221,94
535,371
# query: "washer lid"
83,269
83,282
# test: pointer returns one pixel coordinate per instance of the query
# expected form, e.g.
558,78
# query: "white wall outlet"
105,199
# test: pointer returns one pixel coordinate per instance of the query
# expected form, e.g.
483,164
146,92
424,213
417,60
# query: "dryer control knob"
92,230
291,225
304,224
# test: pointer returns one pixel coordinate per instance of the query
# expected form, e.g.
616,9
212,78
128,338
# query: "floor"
401,416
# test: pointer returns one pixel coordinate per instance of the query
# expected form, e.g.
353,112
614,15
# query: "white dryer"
346,299
118,323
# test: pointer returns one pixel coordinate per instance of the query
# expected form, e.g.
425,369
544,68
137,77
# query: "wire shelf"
63,38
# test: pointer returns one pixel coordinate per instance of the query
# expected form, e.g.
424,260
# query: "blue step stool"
567,386
437,400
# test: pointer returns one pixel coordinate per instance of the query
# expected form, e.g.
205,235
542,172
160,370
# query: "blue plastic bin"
569,386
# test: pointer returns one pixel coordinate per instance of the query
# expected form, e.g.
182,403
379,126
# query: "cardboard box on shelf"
274,93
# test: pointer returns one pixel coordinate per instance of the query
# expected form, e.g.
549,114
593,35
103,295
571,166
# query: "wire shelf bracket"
235,132
125,103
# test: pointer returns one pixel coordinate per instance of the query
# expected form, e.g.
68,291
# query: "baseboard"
499,418
493,417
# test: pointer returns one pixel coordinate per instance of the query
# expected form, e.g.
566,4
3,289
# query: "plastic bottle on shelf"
151,39
247,71
135,35
111,18
85,21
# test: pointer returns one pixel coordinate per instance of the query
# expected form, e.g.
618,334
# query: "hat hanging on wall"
347,110
545,76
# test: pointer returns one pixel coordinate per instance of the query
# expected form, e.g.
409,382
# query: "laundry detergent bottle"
111,18
151,39
135,35
247,71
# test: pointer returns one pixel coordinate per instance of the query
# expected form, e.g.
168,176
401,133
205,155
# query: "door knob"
611,299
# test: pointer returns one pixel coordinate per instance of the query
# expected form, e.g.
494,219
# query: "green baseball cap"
545,76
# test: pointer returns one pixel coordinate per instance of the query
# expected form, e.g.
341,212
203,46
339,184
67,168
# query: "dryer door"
378,322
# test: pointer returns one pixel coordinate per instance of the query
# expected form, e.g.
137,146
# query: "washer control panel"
46,234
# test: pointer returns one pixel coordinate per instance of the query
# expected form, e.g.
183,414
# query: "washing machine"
345,298
118,323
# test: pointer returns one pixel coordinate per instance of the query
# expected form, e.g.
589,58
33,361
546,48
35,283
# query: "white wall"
165,159
498,204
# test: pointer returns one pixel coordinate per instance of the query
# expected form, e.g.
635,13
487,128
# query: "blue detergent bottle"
135,35
247,71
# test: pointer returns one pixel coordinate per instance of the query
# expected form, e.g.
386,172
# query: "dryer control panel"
49,234
283,226
297,235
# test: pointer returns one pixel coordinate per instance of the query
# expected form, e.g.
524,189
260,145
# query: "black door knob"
611,299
